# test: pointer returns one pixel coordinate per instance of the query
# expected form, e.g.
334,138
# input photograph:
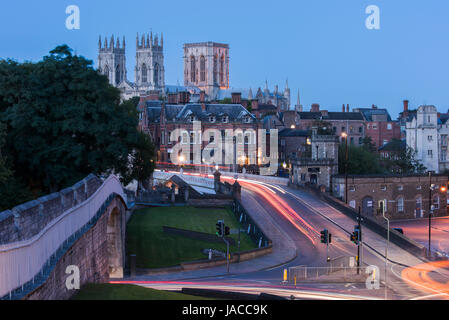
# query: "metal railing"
23,263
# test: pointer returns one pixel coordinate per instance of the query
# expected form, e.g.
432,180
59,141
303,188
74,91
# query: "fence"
246,222
23,264
329,274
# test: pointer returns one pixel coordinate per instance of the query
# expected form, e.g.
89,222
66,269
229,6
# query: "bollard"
285,276
295,280
132,264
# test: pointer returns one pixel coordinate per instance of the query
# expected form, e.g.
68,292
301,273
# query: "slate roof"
287,132
331,116
235,112
369,112
393,145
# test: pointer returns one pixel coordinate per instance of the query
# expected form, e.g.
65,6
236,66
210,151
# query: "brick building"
379,126
352,123
403,196
160,119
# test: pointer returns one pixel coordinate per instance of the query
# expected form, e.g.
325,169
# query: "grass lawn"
127,292
156,249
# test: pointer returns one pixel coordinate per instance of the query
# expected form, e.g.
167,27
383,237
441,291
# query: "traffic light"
356,236
353,237
325,236
330,237
219,225
227,231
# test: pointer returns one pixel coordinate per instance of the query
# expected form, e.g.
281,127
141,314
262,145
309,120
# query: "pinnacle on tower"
118,43
286,84
162,39
124,43
148,42
99,42
105,42
143,41
112,42
137,40
151,39
156,41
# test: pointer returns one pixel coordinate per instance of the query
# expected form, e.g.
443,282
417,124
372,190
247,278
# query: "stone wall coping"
49,197
5,214
27,205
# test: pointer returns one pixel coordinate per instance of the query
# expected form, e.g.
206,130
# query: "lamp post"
345,136
430,210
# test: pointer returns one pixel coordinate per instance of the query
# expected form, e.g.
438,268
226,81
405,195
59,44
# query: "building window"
211,139
144,73
389,126
400,188
352,204
225,119
156,75
222,70
343,129
375,126
360,129
418,188
352,188
202,69
185,137
401,204
385,142
192,69
430,138
383,188
430,153
215,69
211,119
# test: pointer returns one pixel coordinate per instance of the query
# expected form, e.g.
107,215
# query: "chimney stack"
405,105
236,98
202,100
315,108
343,108
347,108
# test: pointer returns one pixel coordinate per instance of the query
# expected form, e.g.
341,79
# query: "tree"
64,121
402,159
360,161
368,144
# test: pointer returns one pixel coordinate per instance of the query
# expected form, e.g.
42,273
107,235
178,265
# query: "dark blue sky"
322,46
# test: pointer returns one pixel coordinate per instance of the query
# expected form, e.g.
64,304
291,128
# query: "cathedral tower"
149,70
206,65
112,60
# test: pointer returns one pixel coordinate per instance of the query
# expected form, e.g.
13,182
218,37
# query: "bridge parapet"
33,234
26,220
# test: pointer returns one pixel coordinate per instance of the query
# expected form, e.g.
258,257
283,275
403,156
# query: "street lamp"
443,189
345,136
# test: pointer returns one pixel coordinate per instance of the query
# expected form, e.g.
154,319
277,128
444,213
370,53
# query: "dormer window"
192,118
212,119
225,119
247,119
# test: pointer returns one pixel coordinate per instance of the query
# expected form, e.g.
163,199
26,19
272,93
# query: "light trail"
284,291
419,277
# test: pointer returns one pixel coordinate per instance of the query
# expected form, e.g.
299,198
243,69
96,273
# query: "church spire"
250,94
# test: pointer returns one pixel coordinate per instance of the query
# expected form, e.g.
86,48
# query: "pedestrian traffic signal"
325,236
219,225
227,231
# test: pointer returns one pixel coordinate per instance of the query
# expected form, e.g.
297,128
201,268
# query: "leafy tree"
360,160
368,144
65,121
402,159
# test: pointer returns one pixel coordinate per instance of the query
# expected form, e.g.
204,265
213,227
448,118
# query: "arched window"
222,70
192,69
202,69
215,69
106,71
118,78
156,75
144,73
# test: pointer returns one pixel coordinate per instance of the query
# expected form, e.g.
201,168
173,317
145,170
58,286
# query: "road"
300,217
418,230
